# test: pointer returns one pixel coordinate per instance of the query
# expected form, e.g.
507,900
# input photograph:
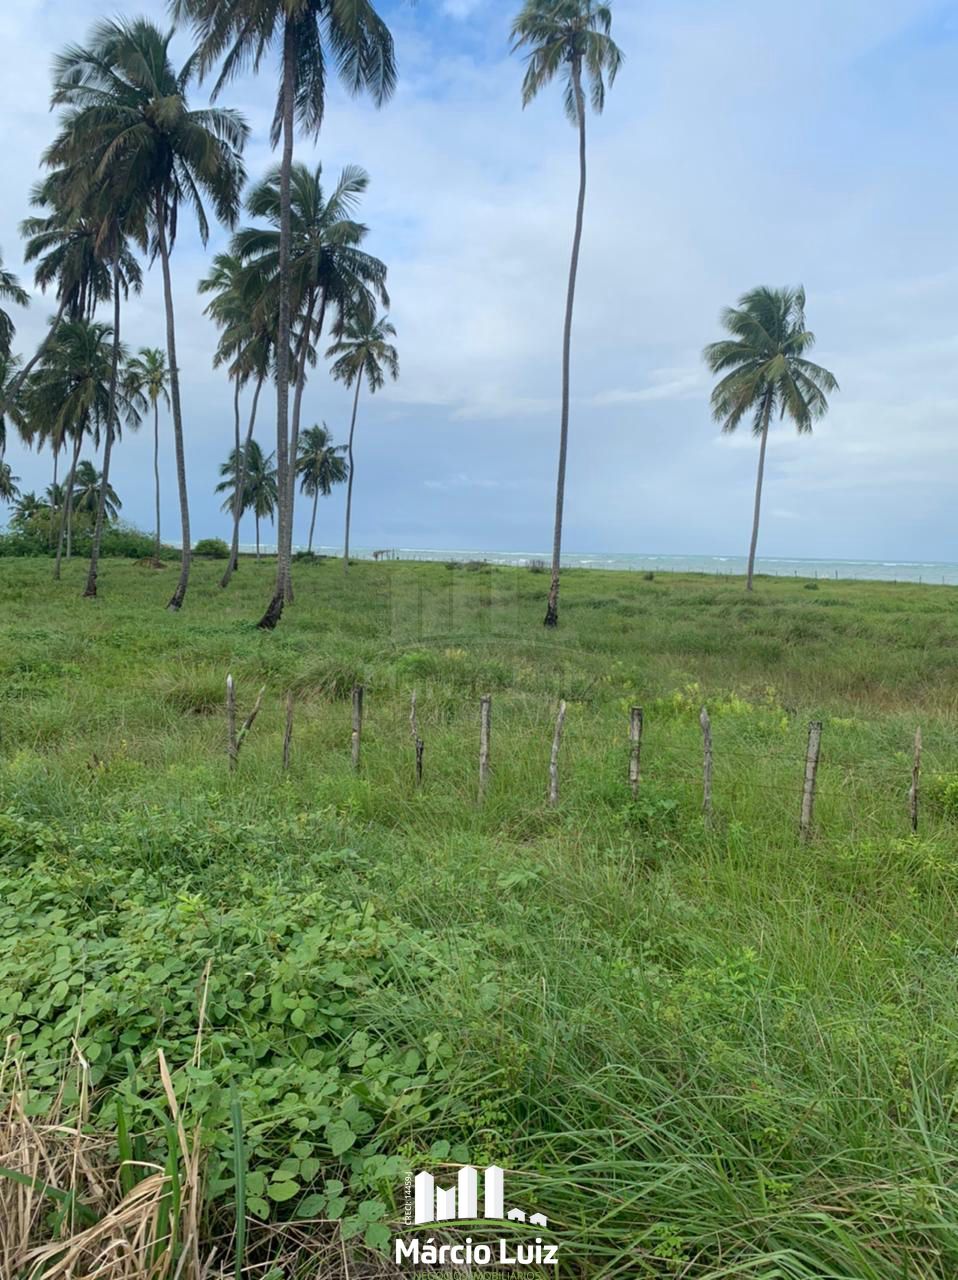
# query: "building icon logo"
436,1208
461,1202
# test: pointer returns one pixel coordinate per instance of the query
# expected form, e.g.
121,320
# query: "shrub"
536,566
212,549
118,540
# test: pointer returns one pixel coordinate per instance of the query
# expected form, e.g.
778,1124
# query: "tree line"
132,157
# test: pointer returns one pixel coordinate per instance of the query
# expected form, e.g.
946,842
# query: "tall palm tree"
151,377
88,484
766,373
570,39
242,305
10,291
307,32
319,464
128,123
8,484
330,273
257,489
362,350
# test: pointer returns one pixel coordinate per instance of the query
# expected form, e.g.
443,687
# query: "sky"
742,144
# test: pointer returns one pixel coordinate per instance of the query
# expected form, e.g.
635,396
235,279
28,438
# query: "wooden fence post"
357,722
248,722
232,750
706,764
288,735
554,758
913,790
811,770
635,738
417,741
485,733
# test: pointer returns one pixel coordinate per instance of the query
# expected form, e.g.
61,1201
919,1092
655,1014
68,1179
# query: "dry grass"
64,1214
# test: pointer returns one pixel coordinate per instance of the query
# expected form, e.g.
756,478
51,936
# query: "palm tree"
151,377
330,272
10,291
363,349
128,123
70,395
259,490
568,38
319,464
9,405
240,306
766,373
28,507
243,32
8,484
88,485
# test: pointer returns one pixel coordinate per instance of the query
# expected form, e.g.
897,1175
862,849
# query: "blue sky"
743,143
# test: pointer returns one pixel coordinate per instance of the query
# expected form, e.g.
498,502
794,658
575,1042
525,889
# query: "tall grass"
703,1051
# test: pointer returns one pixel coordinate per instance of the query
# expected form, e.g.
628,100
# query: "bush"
118,540
212,549
536,566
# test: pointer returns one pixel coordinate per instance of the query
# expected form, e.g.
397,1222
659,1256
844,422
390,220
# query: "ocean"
928,571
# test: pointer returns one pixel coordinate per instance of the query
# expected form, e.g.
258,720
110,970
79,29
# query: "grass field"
703,1051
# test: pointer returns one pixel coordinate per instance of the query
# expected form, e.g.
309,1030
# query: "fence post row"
236,737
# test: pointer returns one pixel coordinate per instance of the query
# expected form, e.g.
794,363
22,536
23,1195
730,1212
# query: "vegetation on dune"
704,1051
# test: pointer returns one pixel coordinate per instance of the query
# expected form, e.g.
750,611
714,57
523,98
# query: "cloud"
666,384
739,145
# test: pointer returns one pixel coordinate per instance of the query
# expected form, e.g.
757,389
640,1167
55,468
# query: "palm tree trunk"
274,610
54,508
312,523
766,418
257,538
89,591
176,600
349,482
294,434
65,510
552,608
238,495
156,472
233,562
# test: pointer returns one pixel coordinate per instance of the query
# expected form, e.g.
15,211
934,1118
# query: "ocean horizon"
934,572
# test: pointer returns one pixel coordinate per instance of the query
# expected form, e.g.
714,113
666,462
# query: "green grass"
702,1051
